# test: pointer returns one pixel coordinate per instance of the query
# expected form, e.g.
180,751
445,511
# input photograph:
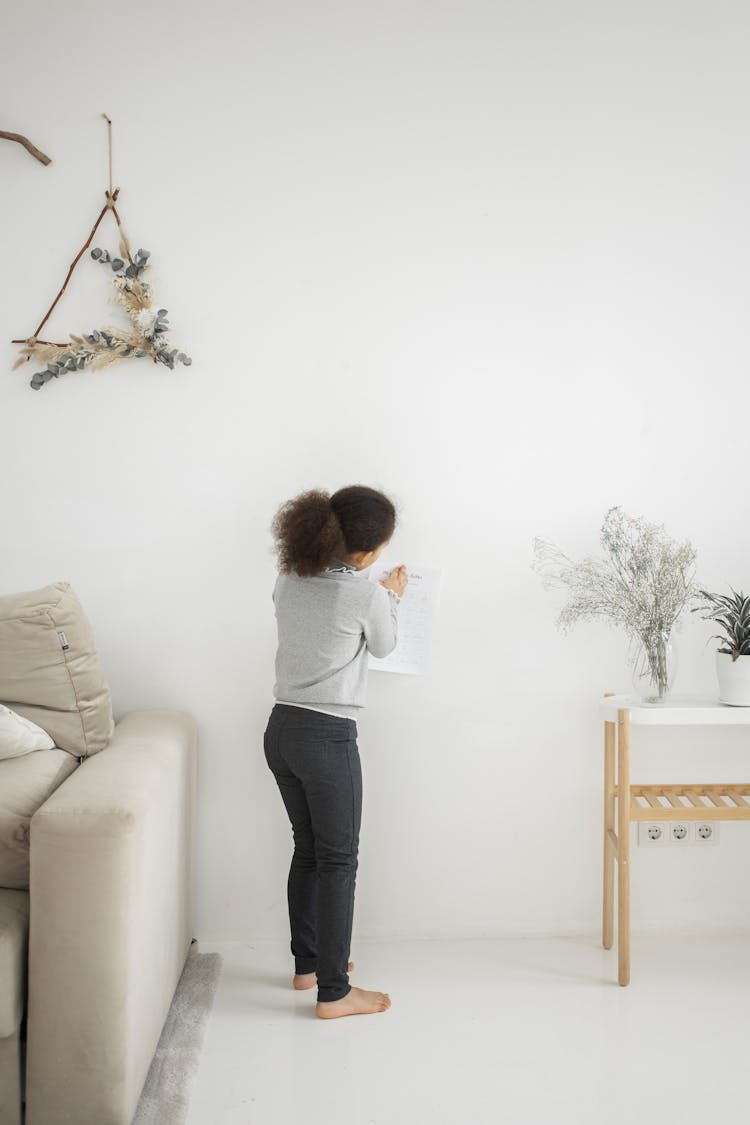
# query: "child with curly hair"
328,619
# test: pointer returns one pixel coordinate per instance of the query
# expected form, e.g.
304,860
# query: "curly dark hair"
315,528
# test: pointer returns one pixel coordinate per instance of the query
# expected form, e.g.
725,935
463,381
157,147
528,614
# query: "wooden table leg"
608,903
623,845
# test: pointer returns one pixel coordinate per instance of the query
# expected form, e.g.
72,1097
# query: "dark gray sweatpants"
315,760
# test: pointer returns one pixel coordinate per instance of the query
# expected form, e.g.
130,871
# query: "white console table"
625,803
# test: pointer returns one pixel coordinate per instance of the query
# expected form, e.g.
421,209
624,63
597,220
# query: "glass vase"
654,667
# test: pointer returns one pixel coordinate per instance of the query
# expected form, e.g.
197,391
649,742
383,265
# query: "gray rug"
165,1097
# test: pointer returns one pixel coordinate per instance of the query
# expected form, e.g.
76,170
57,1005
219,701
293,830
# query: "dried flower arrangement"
643,584
146,335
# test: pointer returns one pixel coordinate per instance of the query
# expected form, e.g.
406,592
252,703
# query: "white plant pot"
734,679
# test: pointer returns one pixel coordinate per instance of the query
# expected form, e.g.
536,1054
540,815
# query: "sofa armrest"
111,894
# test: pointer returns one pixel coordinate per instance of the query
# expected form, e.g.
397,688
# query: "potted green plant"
732,613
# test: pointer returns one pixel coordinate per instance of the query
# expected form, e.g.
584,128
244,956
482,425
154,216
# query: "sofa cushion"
20,736
49,669
25,784
14,938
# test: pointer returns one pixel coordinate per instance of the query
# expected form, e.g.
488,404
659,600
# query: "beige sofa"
90,955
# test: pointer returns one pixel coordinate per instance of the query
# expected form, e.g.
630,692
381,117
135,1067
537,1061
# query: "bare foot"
357,1002
309,980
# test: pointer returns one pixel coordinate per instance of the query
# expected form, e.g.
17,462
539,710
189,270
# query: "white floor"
509,1032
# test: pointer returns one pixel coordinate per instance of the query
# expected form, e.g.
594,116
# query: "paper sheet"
416,619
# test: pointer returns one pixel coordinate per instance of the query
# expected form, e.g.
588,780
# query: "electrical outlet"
657,833
679,832
652,833
706,832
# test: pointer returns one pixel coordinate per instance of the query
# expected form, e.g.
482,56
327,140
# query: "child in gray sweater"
328,619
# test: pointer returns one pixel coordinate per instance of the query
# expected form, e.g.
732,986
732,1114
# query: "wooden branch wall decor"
146,333
42,156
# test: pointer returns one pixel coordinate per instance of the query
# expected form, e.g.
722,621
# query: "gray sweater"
326,626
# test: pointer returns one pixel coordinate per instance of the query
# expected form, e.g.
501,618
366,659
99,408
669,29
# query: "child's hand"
397,580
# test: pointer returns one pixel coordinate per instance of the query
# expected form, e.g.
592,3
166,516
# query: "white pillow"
25,783
20,736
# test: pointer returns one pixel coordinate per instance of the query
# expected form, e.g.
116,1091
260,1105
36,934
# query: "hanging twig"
124,245
109,205
109,139
27,145
74,263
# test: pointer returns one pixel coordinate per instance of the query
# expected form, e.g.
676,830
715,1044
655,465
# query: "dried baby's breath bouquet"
642,584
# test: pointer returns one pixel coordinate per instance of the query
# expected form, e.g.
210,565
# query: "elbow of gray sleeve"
381,652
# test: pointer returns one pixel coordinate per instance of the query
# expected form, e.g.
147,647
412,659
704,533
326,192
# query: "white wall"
490,257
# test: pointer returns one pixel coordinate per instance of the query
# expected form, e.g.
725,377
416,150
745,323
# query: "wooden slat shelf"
625,803
684,802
